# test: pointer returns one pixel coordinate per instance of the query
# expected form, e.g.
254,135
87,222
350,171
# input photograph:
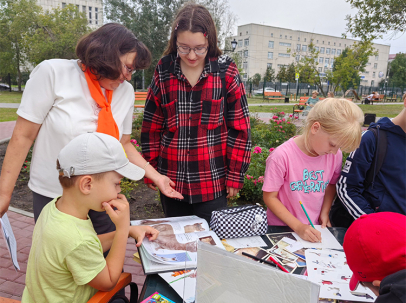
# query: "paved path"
9,105
12,283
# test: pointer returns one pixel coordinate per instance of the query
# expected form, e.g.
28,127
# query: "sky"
315,16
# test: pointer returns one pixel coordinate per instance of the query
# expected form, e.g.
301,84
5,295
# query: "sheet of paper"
294,246
327,240
329,269
183,282
246,242
10,240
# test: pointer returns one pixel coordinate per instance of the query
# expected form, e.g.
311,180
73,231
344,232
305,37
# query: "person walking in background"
66,98
196,127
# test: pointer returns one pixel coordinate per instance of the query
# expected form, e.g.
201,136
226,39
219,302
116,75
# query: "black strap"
224,88
379,157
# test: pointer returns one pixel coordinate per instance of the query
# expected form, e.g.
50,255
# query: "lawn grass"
8,114
10,97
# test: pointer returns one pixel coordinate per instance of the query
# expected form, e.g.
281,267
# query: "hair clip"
176,27
205,34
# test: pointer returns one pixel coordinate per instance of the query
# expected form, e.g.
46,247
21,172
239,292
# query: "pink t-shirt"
299,177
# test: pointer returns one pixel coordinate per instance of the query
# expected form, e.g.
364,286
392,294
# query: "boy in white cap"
66,262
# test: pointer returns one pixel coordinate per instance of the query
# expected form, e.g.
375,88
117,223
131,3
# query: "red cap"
375,246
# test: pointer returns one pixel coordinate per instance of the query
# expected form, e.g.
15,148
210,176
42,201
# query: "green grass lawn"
8,114
10,97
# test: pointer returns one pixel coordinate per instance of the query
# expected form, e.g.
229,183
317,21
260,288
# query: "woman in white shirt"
66,98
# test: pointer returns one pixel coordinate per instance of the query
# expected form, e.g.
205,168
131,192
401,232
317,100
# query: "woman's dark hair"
197,19
101,50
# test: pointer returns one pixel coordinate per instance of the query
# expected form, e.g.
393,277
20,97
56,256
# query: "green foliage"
290,73
137,124
375,18
269,75
57,34
127,186
25,169
282,75
237,58
256,79
397,74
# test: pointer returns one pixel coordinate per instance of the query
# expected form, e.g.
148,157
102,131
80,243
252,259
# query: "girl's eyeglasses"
129,70
184,50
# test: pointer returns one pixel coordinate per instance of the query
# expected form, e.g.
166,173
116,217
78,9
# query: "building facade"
262,46
92,8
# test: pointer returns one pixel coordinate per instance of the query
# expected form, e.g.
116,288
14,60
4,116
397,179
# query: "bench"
274,96
296,107
140,96
381,99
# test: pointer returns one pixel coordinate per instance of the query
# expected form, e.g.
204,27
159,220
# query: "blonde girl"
307,167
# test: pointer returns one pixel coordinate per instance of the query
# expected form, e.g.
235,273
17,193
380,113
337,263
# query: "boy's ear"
85,184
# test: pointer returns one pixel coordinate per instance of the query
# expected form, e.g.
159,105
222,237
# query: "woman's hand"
232,192
166,186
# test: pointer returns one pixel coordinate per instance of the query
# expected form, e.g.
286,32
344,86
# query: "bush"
137,124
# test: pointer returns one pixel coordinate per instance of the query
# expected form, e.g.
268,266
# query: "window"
298,38
326,68
373,75
271,35
270,55
376,57
245,54
316,48
246,42
96,15
333,51
290,38
320,69
270,44
334,44
246,32
304,39
338,52
297,57
328,43
84,8
240,34
339,44
327,51
298,47
286,36
269,65
245,77
375,65
322,42
321,59
240,54
239,43
283,55
245,65
282,65
372,82
78,6
280,36
366,72
63,5
332,62
317,41
321,50
90,15
326,62
285,44
304,48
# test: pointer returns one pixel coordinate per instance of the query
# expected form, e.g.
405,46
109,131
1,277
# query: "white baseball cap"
94,153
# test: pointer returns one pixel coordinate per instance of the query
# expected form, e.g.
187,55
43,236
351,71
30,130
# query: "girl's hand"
324,220
232,192
308,233
142,231
166,186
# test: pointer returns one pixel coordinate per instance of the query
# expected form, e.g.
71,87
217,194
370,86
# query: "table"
155,283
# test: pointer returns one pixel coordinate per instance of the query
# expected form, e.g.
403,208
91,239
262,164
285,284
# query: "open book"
176,245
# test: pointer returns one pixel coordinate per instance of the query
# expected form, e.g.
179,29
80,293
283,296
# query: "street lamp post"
233,46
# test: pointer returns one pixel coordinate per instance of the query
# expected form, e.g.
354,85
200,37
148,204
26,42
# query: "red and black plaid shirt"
184,135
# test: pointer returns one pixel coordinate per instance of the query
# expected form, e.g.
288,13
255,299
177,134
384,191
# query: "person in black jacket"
387,191
375,248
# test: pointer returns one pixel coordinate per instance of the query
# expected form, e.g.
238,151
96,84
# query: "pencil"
301,204
277,264
259,259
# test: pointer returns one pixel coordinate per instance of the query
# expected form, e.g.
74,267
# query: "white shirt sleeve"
39,96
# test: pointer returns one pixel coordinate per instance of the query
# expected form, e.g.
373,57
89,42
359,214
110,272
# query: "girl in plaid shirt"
190,132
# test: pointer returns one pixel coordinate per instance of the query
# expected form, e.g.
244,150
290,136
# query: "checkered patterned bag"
240,221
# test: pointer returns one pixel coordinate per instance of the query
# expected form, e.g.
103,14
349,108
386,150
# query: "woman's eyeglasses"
129,70
184,50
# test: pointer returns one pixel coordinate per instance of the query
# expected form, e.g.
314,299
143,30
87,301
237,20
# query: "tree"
269,75
281,76
256,79
397,71
350,64
290,73
18,18
375,18
57,34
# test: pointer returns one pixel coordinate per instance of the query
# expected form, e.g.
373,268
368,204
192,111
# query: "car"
4,86
261,91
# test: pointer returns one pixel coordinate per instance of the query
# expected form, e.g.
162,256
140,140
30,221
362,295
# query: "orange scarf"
106,123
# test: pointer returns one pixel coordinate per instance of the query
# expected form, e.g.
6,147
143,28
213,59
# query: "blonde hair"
315,92
331,93
340,118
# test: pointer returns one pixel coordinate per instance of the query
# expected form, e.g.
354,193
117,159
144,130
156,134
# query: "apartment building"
262,46
92,8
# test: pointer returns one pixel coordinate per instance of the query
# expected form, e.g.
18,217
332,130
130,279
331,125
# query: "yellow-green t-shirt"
65,255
